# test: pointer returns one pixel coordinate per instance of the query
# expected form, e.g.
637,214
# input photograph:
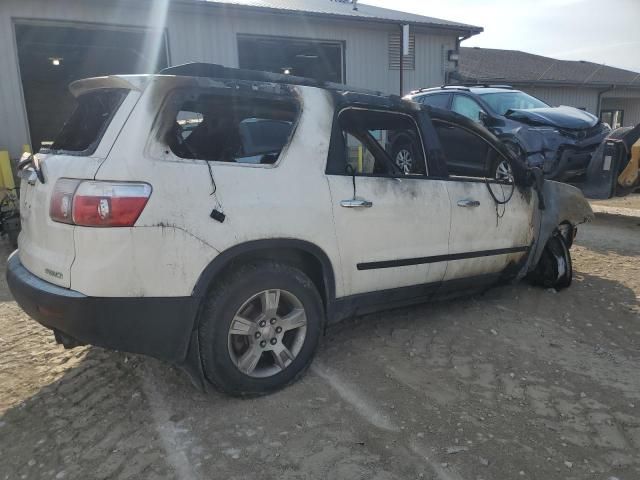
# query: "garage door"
51,56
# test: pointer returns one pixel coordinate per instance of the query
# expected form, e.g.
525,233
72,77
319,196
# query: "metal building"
46,44
611,93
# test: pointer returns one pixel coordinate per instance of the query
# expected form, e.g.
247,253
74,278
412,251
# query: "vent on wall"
395,48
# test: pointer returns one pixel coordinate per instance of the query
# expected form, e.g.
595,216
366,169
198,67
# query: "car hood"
560,117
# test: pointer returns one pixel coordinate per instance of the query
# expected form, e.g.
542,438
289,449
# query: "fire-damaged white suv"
219,218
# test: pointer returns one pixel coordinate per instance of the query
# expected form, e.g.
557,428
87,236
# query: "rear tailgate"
46,248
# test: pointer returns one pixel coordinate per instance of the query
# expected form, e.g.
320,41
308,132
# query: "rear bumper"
158,327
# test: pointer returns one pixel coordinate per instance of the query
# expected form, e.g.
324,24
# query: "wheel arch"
299,253
402,138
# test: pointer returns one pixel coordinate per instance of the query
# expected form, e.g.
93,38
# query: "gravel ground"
518,383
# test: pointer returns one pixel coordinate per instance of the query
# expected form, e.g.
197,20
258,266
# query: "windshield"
504,101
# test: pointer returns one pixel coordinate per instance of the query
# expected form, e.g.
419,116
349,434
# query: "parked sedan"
558,140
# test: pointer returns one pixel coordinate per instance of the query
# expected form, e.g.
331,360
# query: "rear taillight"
98,204
62,200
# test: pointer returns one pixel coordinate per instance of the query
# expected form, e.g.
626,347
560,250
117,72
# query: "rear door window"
440,100
232,128
84,129
371,142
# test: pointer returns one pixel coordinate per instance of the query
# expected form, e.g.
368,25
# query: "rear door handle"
468,203
356,203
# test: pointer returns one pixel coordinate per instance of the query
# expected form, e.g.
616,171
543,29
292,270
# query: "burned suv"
219,218
558,140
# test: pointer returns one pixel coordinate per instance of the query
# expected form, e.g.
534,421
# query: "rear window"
238,128
84,129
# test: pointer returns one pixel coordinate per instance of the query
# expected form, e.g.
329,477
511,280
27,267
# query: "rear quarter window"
439,100
224,126
90,118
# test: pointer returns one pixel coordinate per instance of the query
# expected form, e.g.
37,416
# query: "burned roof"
341,9
348,94
512,66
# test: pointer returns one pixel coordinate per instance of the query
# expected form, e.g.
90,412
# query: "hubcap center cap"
268,332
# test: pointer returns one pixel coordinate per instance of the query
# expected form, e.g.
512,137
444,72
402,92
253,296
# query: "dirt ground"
518,383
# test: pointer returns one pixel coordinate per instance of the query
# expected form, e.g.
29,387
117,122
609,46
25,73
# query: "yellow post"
359,158
6,174
631,173
26,148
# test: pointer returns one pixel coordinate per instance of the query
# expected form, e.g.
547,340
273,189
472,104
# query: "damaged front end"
564,207
562,151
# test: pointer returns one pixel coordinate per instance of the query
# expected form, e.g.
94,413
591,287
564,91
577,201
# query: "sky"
601,31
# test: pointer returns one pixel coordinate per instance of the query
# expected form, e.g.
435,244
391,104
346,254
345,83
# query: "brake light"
98,203
62,200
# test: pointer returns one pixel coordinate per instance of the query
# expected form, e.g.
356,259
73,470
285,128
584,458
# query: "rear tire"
259,361
405,157
554,269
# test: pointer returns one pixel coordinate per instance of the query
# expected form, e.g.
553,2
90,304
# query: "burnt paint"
564,204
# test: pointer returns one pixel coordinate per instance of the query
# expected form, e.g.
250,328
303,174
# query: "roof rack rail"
212,70
485,85
420,90
455,87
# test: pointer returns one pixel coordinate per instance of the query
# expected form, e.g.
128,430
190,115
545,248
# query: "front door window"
466,106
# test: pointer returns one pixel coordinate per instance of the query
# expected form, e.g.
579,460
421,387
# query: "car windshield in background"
502,102
88,122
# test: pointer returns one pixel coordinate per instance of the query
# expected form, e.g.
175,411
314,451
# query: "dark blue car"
559,140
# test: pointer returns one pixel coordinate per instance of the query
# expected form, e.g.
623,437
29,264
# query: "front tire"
259,328
555,268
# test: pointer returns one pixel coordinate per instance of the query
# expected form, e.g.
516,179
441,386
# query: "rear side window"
440,100
370,142
238,128
84,129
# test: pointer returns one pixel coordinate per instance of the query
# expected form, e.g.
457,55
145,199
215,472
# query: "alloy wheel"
267,333
404,160
504,172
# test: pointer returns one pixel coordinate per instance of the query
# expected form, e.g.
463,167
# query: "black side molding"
439,258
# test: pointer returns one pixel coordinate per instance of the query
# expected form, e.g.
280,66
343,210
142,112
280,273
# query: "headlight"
546,130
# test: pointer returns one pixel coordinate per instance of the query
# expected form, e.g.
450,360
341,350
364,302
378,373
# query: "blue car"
558,140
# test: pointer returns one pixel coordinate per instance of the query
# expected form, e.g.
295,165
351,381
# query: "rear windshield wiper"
33,162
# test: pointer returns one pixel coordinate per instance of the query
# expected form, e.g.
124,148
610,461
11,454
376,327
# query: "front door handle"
467,202
356,203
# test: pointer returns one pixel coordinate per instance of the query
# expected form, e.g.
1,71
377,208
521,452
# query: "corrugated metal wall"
201,33
630,106
586,98
627,100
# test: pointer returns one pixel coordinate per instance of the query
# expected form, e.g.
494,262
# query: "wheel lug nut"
273,320
262,323
274,341
263,344
258,334
278,329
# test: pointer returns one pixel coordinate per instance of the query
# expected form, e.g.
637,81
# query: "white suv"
219,218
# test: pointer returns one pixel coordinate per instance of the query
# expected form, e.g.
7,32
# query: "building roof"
345,10
512,66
